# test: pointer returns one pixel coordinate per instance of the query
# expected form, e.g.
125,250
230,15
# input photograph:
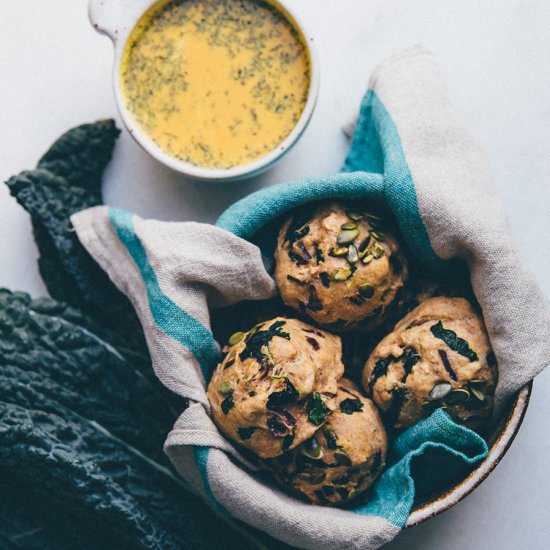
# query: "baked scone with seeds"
340,266
438,355
344,457
275,385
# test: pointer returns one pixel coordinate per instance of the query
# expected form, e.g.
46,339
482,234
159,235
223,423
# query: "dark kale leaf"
245,433
317,409
297,229
365,243
319,256
447,364
399,396
313,343
294,280
49,360
287,395
453,341
298,226
293,235
227,404
30,523
409,357
325,279
81,433
349,406
81,470
298,258
255,342
380,369
313,300
81,154
64,457
67,180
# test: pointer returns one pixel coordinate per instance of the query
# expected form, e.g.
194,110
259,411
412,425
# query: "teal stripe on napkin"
250,214
202,455
168,316
376,145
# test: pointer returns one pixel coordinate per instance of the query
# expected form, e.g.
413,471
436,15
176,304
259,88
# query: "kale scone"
438,355
276,385
343,268
344,457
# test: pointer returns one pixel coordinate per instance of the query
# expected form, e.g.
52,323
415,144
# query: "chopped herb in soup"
217,83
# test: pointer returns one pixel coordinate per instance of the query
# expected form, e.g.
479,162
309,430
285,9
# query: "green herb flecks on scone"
343,458
341,267
439,355
275,385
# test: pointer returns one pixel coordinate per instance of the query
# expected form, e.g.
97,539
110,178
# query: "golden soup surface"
217,83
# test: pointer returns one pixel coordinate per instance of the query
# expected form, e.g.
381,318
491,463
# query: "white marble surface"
56,73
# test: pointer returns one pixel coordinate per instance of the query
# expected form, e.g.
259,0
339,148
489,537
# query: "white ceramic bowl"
117,18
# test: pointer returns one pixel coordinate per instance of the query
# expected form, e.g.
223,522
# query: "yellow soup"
217,83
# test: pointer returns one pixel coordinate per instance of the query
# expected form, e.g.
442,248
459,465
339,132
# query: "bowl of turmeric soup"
215,89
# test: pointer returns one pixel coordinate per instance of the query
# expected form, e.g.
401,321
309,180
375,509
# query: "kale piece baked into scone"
276,385
344,457
343,268
438,355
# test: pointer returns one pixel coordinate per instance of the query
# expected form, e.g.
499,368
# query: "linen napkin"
410,151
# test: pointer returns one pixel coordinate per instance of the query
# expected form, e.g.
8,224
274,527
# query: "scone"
343,268
344,457
438,355
275,385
